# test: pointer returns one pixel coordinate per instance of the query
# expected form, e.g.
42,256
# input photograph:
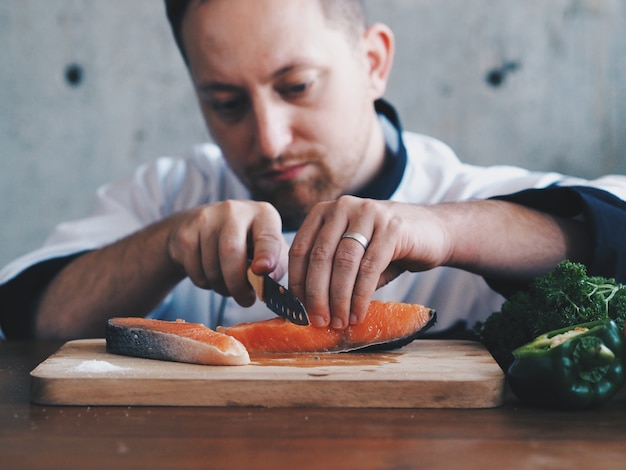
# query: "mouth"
282,174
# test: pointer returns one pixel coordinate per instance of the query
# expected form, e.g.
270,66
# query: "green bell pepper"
576,367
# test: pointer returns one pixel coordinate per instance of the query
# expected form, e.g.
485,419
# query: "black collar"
388,180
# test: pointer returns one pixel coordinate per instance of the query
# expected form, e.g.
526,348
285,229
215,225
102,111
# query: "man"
314,178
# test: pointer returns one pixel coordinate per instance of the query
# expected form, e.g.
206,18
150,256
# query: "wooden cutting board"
424,374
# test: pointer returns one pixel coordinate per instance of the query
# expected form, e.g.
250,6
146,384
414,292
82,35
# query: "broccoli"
564,297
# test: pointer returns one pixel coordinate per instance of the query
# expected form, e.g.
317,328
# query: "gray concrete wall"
91,88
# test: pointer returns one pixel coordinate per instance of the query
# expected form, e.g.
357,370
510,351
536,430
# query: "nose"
273,132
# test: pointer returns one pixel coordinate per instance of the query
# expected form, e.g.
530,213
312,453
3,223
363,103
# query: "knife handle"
256,282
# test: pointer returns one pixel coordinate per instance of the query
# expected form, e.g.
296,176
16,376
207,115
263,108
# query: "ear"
380,48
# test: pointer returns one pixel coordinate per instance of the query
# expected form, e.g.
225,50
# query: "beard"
295,198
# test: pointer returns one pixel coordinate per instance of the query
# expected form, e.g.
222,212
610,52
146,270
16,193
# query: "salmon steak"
387,325
173,341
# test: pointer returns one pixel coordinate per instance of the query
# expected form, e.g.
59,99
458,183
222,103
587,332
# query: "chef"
310,179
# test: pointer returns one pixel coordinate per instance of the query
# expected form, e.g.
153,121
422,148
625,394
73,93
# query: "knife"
279,299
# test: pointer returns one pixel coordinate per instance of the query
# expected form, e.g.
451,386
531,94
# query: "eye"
299,88
295,90
229,108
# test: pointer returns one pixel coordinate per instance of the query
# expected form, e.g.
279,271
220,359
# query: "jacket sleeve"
19,296
604,214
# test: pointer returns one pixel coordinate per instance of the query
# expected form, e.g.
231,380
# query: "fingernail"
353,319
337,323
318,321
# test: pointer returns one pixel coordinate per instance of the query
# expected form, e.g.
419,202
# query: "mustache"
269,164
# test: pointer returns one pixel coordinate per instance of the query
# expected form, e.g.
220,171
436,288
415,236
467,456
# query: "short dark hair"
347,14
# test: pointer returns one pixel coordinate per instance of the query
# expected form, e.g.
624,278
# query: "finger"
299,254
374,262
252,231
185,245
247,227
351,248
269,249
194,269
233,261
305,255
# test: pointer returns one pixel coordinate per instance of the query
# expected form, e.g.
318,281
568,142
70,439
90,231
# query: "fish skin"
173,341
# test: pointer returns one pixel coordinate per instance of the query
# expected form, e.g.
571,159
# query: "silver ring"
364,242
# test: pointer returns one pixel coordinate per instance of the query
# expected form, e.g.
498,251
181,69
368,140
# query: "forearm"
127,278
503,240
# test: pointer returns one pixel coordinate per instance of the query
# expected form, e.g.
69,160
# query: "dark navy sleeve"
19,297
604,214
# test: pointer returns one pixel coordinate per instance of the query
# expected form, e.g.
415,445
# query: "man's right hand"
212,244
215,244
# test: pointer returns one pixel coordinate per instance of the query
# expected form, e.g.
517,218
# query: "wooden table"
512,436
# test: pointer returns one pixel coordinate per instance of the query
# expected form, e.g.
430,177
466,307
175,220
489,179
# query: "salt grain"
95,366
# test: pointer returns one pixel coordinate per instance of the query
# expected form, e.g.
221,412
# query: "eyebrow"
227,87
217,87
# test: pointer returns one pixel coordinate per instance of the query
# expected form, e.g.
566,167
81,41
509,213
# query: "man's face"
287,97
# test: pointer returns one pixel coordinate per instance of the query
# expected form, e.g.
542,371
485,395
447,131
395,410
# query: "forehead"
257,36
239,19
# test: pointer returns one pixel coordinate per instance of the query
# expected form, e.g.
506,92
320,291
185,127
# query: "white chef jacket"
433,174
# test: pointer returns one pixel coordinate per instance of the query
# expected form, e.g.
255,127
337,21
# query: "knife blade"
279,299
